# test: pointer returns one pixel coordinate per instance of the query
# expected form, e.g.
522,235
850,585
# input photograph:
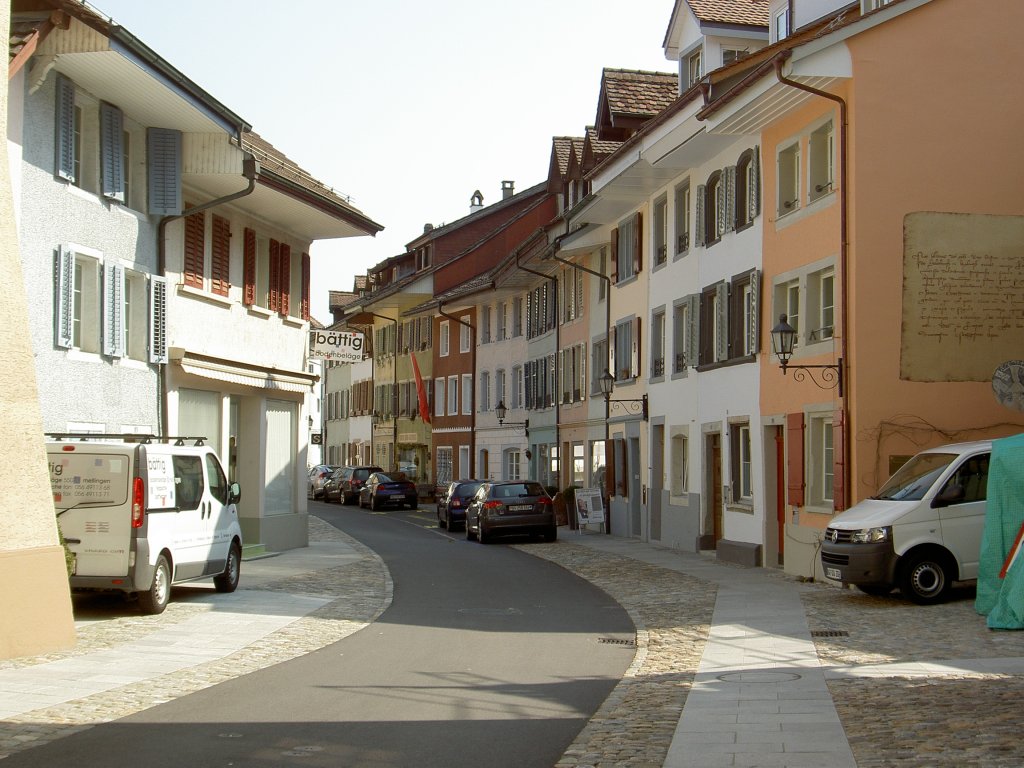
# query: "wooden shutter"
700,218
112,168
305,286
195,249
249,268
754,184
638,242
729,187
274,297
839,500
615,255
634,352
795,458
64,160
693,329
113,310
220,256
65,314
285,284
755,312
157,319
722,340
163,156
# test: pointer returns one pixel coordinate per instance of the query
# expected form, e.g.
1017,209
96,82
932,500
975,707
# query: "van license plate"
833,573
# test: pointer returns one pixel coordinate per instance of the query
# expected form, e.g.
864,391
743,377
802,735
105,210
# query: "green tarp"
1000,594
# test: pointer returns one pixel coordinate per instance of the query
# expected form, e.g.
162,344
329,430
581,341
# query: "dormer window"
731,55
694,68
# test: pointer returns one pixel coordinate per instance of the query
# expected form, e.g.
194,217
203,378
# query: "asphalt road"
487,656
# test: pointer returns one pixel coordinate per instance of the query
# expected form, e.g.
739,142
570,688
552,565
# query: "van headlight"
870,535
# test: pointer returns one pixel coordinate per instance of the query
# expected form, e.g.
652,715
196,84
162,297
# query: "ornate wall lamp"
606,383
783,339
501,412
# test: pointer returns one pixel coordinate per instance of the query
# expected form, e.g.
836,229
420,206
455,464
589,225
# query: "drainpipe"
250,170
844,356
607,336
472,393
554,282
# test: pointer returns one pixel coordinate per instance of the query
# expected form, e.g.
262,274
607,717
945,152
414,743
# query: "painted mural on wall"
963,295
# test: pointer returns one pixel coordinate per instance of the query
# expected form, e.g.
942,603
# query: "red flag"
421,391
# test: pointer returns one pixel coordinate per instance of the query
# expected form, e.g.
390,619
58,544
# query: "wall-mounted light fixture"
606,383
783,339
501,412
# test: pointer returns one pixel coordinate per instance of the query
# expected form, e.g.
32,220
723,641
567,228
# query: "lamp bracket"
830,376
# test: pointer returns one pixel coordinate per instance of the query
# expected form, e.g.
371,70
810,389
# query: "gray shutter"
693,329
163,147
65,298
699,235
721,209
722,321
755,312
157,319
64,163
113,310
729,183
754,185
112,168
583,370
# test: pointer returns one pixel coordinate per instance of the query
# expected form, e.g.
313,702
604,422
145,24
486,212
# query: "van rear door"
92,495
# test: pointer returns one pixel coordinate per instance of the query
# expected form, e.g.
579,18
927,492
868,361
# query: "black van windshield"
912,481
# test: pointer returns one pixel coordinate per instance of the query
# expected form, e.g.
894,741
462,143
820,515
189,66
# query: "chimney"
508,188
428,227
476,202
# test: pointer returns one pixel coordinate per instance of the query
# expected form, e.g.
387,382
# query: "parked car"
511,506
452,503
920,532
345,483
380,489
317,477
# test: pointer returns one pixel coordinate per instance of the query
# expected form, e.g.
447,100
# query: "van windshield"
912,481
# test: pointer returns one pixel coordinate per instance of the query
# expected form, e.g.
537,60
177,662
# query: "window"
465,335
694,70
661,230
597,474
781,27
485,326
729,320
445,338
453,395
517,316
513,464
627,349
578,464
502,321
464,468
572,373
743,315
136,315
685,314
682,202
571,284
540,310
658,344
821,161
517,387
746,202
467,394
485,390
680,465
731,55
742,484
789,179
444,465
600,364
820,460
626,248
439,397
86,305
602,267
820,305
711,210
499,388
787,298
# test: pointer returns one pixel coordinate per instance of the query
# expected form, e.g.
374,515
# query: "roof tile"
751,12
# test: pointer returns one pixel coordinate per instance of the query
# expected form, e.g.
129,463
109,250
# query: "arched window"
746,203
714,210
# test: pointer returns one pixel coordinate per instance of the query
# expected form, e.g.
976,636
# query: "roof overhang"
244,374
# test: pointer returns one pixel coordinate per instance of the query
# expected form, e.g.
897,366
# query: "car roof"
967,447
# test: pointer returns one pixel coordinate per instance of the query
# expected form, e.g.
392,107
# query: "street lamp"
501,412
606,383
784,339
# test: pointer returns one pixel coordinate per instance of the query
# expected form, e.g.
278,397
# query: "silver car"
317,477
511,506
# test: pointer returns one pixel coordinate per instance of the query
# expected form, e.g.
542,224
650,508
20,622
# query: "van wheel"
925,578
228,581
155,599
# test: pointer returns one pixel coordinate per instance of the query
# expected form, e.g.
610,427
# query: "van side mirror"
234,493
951,494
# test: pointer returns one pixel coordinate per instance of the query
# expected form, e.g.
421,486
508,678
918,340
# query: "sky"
405,106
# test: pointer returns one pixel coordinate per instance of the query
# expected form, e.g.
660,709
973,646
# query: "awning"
246,375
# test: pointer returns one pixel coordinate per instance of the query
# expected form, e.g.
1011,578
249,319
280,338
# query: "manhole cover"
615,641
829,633
759,676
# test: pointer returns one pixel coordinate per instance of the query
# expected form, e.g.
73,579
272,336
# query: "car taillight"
138,503
455,503
546,502
493,505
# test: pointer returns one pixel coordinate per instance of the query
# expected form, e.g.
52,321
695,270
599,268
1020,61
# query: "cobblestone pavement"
940,721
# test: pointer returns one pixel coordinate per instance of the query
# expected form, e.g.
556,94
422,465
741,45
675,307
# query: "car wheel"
470,536
482,535
442,522
228,581
155,599
374,504
925,579
551,533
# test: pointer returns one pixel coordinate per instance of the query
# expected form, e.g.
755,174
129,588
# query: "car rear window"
88,478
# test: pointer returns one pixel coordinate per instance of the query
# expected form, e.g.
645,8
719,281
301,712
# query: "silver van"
139,514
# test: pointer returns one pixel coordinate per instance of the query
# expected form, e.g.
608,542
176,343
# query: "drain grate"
829,633
614,641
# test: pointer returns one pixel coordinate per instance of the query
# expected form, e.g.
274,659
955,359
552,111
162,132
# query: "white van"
920,532
139,514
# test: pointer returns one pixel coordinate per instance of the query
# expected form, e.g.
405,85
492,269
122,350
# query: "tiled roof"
635,92
598,147
339,299
749,12
562,146
21,31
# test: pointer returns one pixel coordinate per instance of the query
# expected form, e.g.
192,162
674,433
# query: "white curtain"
199,416
280,476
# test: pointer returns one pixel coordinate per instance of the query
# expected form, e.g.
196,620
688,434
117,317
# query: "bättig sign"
341,346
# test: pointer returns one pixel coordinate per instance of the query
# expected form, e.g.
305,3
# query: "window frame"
681,197
788,178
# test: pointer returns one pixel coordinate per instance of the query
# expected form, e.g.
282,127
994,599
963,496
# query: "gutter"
843,360
250,169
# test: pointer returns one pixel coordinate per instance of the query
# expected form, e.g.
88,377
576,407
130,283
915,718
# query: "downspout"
843,268
607,335
558,327
472,393
250,170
